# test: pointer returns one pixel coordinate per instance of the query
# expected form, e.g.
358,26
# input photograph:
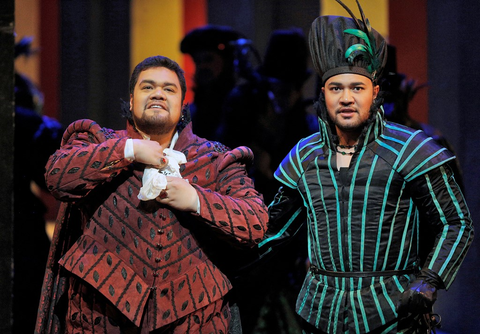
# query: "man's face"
156,102
348,98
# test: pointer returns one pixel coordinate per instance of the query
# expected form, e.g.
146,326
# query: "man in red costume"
147,215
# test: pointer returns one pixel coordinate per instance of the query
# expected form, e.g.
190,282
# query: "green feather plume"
368,51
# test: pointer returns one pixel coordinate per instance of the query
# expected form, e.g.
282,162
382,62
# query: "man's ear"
376,89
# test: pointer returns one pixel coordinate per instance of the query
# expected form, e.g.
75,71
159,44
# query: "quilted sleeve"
446,224
235,208
89,155
292,166
414,152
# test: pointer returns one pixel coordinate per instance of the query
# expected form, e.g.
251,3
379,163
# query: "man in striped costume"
387,223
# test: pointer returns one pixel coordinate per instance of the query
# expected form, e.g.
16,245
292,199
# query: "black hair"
158,61
152,62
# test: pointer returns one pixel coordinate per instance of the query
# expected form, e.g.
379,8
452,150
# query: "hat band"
346,69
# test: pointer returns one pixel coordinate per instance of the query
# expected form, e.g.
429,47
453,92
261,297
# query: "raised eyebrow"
153,82
146,81
350,84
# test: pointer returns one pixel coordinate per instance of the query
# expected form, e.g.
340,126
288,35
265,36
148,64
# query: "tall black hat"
346,45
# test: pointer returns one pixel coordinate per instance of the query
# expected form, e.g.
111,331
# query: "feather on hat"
346,45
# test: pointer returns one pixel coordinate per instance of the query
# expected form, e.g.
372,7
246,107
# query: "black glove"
420,294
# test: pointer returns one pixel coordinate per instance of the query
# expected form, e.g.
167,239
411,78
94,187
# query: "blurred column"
6,162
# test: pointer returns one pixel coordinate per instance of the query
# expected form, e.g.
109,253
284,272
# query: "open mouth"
156,106
347,112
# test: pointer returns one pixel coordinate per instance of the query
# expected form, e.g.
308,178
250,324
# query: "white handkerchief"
154,180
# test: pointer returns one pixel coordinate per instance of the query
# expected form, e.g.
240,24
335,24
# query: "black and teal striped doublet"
397,196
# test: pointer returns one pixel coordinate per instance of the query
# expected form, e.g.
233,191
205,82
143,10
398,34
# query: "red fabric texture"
153,264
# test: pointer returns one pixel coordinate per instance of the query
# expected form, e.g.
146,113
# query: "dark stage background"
94,73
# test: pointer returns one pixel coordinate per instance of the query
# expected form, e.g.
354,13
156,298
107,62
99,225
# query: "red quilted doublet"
142,256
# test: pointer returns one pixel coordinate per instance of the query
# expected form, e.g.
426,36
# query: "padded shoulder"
86,125
241,154
294,164
410,152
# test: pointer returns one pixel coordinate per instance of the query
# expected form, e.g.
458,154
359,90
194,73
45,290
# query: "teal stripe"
452,196
369,131
427,159
438,248
337,312
287,225
404,148
377,304
313,237
412,174
395,140
335,300
426,170
456,265
319,313
354,311
397,282
443,219
309,241
339,229
379,122
390,148
308,205
305,298
295,160
404,236
364,316
350,204
389,300
450,276
397,128
460,214
327,222
392,227
312,230
287,180
452,251
315,146
307,202
389,329
312,305
382,214
412,154
324,131
364,210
